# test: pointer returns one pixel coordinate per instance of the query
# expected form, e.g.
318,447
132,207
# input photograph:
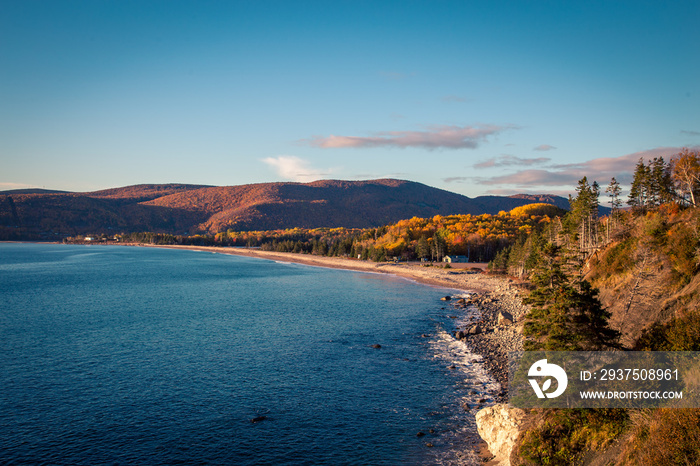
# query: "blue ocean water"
123,355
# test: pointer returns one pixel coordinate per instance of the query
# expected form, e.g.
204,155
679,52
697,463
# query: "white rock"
499,426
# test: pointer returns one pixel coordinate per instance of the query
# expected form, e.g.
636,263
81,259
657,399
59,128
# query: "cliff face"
500,425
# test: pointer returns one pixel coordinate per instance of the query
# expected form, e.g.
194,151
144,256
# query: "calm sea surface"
119,355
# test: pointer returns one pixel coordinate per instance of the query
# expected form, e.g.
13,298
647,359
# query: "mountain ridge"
190,208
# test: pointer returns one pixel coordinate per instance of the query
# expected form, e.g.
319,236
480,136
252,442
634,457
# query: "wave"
474,388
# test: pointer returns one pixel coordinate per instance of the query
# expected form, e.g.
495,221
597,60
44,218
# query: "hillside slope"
649,272
180,208
328,203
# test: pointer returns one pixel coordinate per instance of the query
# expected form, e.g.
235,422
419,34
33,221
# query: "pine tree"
613,191
566,315
662,172
639,191
583,215
422,248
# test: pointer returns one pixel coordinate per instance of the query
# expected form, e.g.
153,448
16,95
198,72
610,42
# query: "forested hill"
626,281
182,208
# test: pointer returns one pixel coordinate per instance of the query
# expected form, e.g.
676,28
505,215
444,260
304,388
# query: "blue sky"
473,97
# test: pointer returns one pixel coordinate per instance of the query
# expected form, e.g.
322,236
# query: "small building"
455,259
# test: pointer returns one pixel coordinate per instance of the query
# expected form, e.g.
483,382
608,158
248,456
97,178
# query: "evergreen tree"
422,248
566,315
613,191
639,190
582,219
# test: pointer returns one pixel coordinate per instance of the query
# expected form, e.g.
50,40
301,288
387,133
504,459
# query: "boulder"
474,330
505,318
499,425
446,298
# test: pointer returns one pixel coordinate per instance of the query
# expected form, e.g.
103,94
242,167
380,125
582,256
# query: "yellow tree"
685,170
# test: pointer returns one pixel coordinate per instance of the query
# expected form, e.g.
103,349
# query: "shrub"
681,248
680,334
566,434
656,227
665,436
617,259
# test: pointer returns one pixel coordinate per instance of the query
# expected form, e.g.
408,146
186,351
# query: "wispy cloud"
510,160
624,163
293,168
439,137
544,147
510,192
690,133
6,186
533,177
601,169
456,179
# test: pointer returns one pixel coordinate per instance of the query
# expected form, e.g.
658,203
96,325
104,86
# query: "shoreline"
491,295
429,275
481,301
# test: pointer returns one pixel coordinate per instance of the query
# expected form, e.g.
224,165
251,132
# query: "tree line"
479,237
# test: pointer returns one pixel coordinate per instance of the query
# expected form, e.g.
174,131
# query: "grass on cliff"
563,436
670,235
663,436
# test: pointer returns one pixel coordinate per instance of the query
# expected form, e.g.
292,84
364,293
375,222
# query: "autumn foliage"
477,236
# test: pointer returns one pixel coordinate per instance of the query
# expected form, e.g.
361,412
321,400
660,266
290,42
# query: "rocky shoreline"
495,330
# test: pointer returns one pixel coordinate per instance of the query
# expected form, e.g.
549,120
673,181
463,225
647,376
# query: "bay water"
134,355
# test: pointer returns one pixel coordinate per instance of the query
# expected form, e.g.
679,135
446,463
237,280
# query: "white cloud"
510,160
294,168
446,137
512,191
601,169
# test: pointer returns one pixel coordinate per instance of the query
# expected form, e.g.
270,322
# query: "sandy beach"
458,278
